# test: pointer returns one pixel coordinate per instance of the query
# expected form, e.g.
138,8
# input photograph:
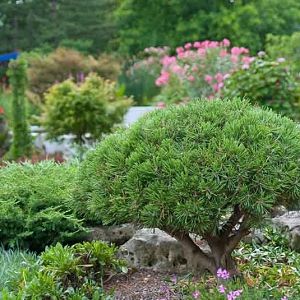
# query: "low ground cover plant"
69,272
36,207
212,168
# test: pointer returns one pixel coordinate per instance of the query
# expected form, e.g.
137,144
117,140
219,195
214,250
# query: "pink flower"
223,53
235,51
1,110
208,78
188,46
191,78
224,274
168,60
197,45
216,87
213,44
222,289
181,55
163,78
247,60
226,43
196,295
234,294
177,69
194,68
201,51
160,105
284,298
179,50
234,58
245,66
219,77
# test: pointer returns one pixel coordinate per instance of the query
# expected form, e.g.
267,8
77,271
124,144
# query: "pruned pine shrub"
212,168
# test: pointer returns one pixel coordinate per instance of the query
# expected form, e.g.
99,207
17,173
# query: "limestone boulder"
290,223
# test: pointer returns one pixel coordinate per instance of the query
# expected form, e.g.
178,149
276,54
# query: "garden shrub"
22,143
92,107
75,272
199,70
212,168
285,46
267,83
44,71
140,73
36,205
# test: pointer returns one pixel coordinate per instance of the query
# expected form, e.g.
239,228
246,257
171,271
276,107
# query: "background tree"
212,168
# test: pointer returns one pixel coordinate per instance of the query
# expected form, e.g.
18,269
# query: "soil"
141,285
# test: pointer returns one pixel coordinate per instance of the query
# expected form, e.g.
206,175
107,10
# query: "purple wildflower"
196,295
224,274
222,289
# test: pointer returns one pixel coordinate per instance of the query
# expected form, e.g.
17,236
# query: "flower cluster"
200,69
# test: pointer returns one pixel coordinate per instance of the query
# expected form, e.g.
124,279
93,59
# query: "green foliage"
22,144
57,66
268,83
93,107
246,23
75,272
10,264
36,205
34,24
284,46
140,73
185,167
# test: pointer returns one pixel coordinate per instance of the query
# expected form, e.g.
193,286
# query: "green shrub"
92,107
36,205
212,168
21,144
267,83
75,272
44,71
285,46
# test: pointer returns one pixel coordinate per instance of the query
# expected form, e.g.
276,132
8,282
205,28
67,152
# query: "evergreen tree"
21,145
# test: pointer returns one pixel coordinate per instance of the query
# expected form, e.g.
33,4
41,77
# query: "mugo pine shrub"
212,168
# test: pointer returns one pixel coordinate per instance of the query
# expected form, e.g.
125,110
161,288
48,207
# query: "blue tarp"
8,56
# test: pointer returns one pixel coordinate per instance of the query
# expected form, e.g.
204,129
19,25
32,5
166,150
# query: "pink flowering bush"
139,77
199,70
267,83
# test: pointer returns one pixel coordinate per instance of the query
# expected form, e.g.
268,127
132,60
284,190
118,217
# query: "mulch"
141,285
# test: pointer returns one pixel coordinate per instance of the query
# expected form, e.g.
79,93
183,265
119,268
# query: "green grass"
10,264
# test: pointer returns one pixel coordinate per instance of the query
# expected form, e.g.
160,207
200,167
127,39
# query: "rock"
118,234
255,236
278,211
290,222
155,249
